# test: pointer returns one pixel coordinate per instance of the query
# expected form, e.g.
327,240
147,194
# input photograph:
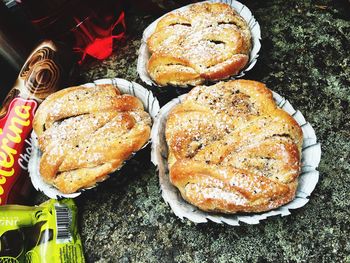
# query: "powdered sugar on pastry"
231,149
87,133
210,40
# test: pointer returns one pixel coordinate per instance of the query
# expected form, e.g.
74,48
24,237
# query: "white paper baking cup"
144,53
150,104
311,155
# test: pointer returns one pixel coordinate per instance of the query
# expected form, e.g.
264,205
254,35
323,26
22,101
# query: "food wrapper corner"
44,233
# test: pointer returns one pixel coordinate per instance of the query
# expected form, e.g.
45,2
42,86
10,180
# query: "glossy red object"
90,27
97,42
16,126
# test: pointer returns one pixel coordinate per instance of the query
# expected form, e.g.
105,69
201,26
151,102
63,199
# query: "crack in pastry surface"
87,133
207,41
232,150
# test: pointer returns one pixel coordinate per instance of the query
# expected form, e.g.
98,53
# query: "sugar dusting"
250,149
87,133
206,43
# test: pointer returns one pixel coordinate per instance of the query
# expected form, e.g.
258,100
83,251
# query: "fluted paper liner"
144,53
150,104
311,155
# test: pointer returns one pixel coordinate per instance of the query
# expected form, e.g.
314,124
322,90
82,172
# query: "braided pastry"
207,41
87,133
231,149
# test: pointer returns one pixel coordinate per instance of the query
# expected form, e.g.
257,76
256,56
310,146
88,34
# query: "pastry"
87,133
206,41
231,149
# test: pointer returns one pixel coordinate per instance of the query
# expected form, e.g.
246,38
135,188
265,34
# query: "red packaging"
41,75
89,26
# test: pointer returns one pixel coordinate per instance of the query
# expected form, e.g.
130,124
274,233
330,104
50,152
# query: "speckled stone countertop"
305,57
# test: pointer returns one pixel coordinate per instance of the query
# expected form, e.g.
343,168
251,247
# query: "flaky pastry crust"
207,41
231,149
87,133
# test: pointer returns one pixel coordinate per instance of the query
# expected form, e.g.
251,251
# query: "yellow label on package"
45,233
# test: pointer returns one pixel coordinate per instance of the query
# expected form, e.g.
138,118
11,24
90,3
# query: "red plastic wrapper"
42,74
91,27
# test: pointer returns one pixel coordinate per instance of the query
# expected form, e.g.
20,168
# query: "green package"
44,233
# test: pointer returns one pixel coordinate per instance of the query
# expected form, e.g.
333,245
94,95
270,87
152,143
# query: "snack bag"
45,233
41,75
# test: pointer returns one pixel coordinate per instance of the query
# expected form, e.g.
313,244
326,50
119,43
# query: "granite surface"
305,57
